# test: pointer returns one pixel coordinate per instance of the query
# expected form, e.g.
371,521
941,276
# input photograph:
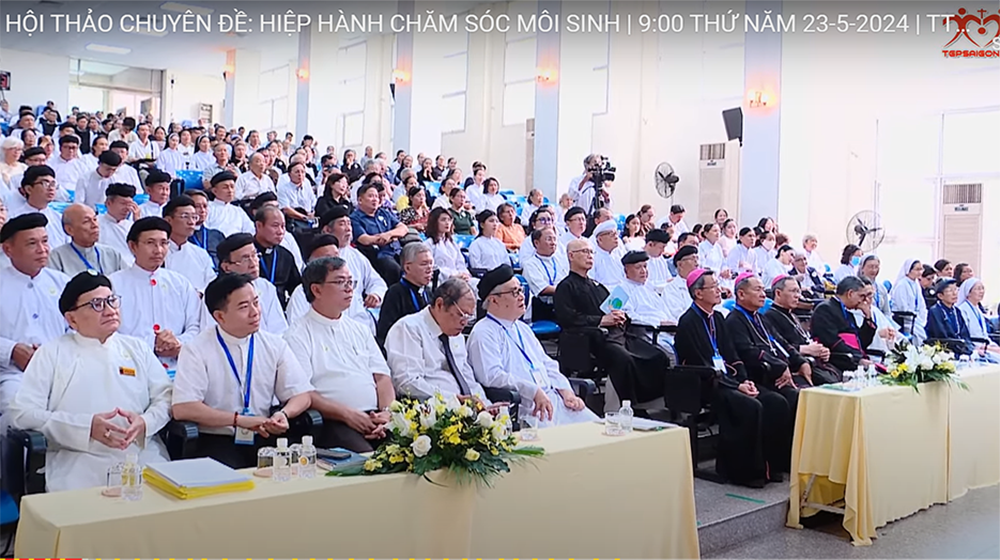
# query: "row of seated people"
114,392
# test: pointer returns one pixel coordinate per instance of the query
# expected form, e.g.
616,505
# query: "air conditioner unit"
719,180
962,224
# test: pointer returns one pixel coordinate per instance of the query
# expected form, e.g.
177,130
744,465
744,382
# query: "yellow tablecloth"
558,506
889,452
974,433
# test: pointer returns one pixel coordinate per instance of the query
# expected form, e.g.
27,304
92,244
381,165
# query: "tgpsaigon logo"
981,30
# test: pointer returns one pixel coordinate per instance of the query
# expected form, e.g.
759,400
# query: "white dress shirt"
507,354
73,377
542,272
761,256
115,235
139,151
608,268
201,161
448,258
487,253
288,242
68,172
102,258
150,208
162,300
814,260
30,316
249,186
644,305
418,363
170,161
677,297
228,218
772,270
127,174
659,272
491,201
710,256
57,235
90,188
742,260
204,374
295,196
679,228
191,262
843,271
366,281
342,357
272,318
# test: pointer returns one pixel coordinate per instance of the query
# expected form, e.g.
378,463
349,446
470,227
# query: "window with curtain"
519,80
352,64
274,98
453,74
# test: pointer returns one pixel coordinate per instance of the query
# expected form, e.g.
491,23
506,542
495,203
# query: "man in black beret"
369,287
222,215
675,293
503,352
30,292
114,381
659,264
125,173
91,187
158,189
122,211
204,236
38,188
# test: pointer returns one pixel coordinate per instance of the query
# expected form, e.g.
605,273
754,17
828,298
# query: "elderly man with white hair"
503,352
607,255
809,244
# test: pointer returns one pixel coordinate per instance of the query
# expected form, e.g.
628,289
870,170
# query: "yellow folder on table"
195,478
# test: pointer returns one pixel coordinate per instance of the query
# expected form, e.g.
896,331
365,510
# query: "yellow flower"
895,373
410,414
392,449
396,406
471,455
396,458
494,450
372,465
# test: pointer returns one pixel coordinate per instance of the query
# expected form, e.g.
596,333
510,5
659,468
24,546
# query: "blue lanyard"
86,262
709,321
413,293
520,346
203,242
758,325
236,374
555,271
979,316
274,264
878,300
950,316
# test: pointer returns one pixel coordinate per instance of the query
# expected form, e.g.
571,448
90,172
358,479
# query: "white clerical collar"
81,248
323,319
139,271
87,341
175,247
634,283
544,257
506,323
230,339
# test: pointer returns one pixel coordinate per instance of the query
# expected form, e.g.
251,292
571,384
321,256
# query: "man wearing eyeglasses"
635,366
504,352
186,258
30,295
426,350
237,254
95,394
353,386
835,325
38,187
160,306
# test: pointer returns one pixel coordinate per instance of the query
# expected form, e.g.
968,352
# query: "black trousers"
225,450
754,434
388,269
339,434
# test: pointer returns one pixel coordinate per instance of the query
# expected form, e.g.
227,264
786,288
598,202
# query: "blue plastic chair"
620,220
464,241
730,305
888,285
8,509
192,179
542,329
101,209
141,198
508,193
59,207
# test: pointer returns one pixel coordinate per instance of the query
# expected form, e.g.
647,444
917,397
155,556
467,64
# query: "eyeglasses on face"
245,260
97,304
516,292
343,283
584,251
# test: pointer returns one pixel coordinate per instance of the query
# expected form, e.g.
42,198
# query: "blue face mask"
855,261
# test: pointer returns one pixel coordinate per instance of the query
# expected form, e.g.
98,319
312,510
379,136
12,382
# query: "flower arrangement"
437,433
910,365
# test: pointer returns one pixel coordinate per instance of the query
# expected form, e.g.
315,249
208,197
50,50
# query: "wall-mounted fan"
665,179
865,230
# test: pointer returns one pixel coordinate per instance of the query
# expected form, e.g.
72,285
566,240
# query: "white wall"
184,92
36,78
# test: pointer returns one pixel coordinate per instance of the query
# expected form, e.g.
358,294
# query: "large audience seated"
268,279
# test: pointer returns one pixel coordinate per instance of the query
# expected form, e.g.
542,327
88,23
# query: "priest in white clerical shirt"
607,256
125,173
353,386
159,307
223,216
91,186
645,307
158,190
30,293
576,224
83,252
658,266
370,288
95,393
544,270
38,189
504,352
238,254
67,164
229,376
426,350
676,294
323,245
117,221
186,258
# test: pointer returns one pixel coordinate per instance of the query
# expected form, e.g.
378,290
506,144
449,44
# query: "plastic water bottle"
132,478
625,415
295,451
282,462
508,424
307,458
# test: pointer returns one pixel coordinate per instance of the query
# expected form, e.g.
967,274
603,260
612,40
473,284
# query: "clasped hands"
264,427
614,319
166,344
104,430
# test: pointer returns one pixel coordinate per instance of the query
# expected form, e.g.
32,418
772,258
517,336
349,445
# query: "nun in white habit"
503,352
907,297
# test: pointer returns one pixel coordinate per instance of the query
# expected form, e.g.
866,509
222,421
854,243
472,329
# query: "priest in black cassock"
787,329
752,422
635,366
411,294
835,327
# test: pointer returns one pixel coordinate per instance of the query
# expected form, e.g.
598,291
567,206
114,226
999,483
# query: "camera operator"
592,190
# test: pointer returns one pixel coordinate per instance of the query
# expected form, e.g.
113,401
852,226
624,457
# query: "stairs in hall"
729,515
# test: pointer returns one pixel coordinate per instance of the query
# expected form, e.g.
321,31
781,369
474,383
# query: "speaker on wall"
734,123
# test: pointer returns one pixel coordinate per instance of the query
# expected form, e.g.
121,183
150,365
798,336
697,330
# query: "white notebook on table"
197,473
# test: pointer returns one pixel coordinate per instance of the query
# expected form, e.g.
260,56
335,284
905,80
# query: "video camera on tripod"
600,172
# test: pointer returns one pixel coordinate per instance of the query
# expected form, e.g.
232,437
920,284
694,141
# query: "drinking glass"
529,428
612,424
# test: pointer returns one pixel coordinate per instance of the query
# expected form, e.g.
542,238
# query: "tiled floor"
965,528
